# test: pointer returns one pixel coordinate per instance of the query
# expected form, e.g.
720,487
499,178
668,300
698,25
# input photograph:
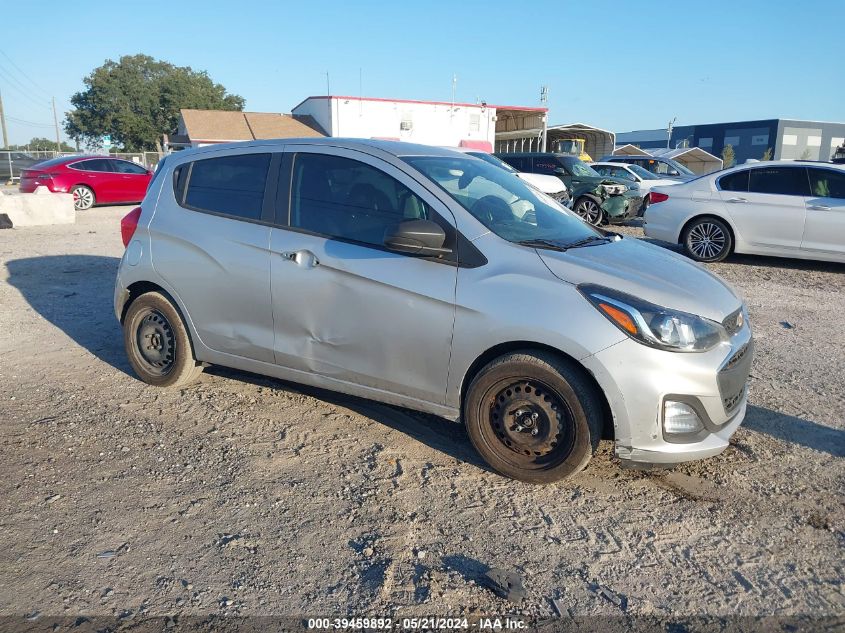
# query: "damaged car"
596,198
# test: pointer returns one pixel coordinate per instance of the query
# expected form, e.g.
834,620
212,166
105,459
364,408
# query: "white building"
427,122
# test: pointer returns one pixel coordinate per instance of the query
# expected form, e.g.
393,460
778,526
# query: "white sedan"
788,209
644,179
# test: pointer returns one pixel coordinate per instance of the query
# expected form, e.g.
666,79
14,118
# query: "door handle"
819,207
737,200
302,258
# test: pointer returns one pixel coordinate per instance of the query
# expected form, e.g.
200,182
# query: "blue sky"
702,61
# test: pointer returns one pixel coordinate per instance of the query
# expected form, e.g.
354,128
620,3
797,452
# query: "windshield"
501,201
580,168
683,170
488,158
645,174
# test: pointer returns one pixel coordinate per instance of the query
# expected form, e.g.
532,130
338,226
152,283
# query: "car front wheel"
589,210
533,416
157,342
707,240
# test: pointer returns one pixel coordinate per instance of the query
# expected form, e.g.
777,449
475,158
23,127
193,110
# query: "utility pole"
3,123
544,101
669,131
56,121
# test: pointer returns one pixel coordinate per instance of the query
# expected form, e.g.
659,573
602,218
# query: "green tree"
767,155
728,156
805,155
137,99
42,144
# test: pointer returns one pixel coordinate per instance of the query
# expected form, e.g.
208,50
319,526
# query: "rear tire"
533,416
157,342
707,239
83,197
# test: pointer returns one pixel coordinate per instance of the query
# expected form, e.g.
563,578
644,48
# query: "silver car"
420,277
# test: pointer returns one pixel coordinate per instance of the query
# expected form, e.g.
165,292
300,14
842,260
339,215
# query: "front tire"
590,210
533,416
157,342
707,240
83,197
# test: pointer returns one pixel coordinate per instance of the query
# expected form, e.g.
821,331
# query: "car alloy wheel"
83,198
589,211
706,240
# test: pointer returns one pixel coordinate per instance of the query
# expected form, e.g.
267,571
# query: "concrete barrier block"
39,208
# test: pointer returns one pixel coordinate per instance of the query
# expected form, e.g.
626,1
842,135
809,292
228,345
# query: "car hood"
648,272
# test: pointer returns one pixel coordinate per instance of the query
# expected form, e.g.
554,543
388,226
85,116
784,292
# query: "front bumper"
637,380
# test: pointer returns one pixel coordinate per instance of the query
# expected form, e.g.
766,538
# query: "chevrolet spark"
425,278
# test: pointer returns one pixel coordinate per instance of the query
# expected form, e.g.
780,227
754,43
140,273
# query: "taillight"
655,196
128,225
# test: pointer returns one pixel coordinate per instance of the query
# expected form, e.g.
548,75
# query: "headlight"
614,190
655,326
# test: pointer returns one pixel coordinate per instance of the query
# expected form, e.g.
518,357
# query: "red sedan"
91,179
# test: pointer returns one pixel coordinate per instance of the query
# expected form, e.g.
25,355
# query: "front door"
824,229
770,213
132,180
345,307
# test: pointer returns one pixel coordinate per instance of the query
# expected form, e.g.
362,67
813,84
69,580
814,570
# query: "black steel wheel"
157,343
590,210
707,239
533,416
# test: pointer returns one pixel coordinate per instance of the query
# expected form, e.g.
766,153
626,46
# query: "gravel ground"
246,496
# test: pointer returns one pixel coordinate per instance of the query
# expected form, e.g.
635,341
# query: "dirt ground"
247,496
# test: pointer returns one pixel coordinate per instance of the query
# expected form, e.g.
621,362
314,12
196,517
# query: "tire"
533,416
83,197
590,210
157,342
643,207
707,239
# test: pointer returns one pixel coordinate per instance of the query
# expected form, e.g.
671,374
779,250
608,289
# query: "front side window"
229,185
737,181
501,201
827,183
344,198
788,181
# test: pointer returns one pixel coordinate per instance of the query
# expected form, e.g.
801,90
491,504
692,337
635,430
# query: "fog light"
680,418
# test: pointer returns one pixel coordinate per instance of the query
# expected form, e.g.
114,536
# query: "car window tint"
347,199
737,181
125,167
94,164
827,183
231,185
790,181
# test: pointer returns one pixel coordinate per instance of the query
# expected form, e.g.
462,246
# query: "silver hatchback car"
422,277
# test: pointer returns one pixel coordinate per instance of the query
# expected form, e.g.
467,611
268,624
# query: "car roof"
608,163
395,148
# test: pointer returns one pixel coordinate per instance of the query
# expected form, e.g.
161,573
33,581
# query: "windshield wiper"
541,243
591,239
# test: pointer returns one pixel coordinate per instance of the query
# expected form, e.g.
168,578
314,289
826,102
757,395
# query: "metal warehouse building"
787,138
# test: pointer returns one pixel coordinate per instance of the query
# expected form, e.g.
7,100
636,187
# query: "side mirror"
416,237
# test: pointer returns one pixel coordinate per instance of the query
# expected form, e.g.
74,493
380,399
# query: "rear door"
770,212
210,242
97,174
824,229
345,307
132,180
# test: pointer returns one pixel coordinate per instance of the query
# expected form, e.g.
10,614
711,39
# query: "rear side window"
827,183
230,185
545,165
343,198
737,181
94,164
788,181
517,162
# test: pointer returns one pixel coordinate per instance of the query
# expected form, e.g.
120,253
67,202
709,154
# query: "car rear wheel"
83,197
707,240
589,210
157,342
533,416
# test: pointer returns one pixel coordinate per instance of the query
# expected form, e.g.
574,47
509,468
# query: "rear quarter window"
228,185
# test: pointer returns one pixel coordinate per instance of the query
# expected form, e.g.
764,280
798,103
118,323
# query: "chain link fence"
15,161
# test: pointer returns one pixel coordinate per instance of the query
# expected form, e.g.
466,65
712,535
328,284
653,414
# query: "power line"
23,74
24,122
23,93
